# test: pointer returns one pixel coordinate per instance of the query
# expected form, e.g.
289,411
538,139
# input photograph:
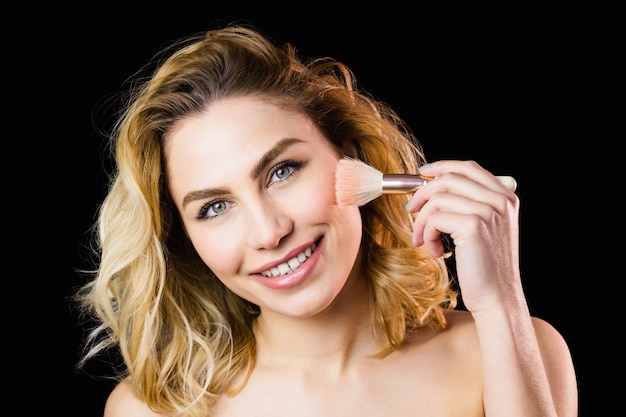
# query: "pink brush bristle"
357,183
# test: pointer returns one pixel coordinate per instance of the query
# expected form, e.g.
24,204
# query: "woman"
233,284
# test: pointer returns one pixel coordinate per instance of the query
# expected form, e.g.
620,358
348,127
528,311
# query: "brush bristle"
357,183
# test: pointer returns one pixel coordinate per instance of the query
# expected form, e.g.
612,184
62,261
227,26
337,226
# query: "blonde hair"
183,336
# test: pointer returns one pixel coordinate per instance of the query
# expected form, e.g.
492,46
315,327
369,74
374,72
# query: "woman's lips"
291,265
293,276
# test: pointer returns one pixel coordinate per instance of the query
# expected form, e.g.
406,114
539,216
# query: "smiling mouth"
291,265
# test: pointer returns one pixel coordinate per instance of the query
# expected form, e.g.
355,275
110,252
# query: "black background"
503,87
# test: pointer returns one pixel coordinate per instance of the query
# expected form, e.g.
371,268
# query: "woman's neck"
341,332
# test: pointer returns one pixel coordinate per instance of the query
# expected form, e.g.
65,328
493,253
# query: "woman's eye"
213,209
282,173
284,170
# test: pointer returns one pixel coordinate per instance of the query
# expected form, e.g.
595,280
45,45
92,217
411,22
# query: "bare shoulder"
557,359
555,353
459,333
123,403
554,349
455,347
460,325
551,341
552,344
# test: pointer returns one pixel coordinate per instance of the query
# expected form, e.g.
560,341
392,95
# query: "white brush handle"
403,183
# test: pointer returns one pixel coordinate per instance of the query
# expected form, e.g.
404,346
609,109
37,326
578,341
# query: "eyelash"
293,165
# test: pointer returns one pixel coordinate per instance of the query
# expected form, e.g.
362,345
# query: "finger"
458,226
452,183
446,213
431,239
473,170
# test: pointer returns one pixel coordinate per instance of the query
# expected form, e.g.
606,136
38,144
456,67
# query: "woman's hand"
480,214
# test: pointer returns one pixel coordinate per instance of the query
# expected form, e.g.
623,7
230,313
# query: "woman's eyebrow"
256,171
202,194
270,155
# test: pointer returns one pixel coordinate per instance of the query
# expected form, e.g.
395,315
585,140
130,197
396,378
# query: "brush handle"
402,183
406,183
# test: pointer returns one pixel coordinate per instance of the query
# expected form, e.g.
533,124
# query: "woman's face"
255,187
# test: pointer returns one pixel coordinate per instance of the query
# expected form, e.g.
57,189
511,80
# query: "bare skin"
315,341
438,373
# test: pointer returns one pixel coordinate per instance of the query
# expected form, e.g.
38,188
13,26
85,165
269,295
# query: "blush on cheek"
316,199
220,255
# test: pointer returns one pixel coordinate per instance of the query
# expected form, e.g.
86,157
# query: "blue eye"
213,209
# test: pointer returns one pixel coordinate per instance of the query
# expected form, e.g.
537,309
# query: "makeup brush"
357,183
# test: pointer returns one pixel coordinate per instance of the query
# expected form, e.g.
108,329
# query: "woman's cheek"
219,253
315,198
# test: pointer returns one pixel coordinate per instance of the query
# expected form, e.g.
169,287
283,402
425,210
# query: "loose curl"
184,337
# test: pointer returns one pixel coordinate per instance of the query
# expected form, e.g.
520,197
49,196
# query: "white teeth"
283,269
291,265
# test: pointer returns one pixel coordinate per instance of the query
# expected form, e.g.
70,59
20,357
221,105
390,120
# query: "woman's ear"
349,149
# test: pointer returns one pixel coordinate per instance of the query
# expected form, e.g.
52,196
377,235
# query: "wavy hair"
183,336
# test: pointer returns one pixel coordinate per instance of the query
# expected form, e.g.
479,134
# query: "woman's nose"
267,226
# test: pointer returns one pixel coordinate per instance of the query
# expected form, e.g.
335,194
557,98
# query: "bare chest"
379,393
